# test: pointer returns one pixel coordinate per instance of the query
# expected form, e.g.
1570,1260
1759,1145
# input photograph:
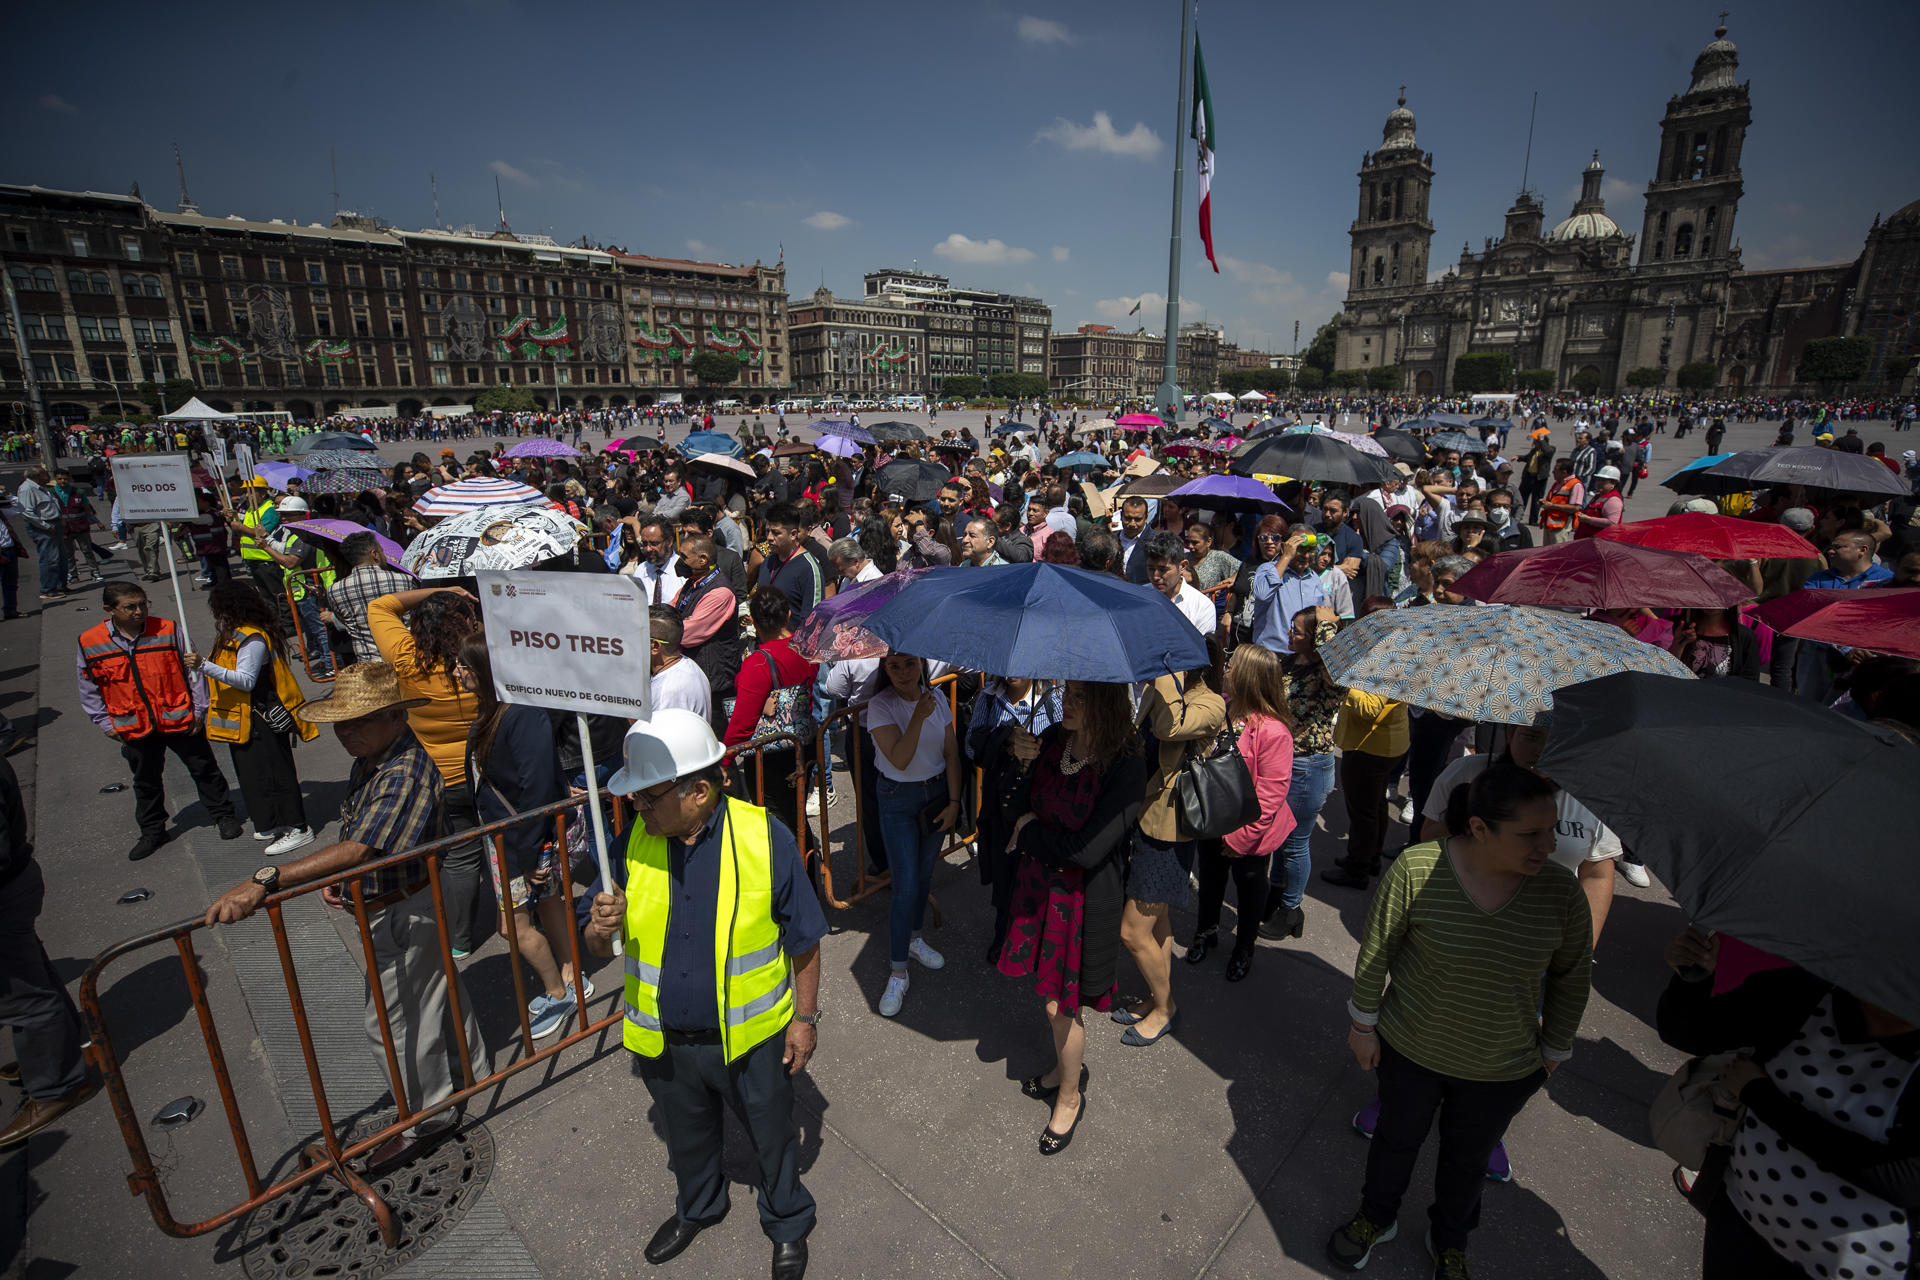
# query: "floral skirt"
1043,935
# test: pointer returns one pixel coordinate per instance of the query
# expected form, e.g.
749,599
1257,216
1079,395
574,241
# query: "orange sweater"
442,724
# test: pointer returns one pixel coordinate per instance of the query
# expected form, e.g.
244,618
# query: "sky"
1027,147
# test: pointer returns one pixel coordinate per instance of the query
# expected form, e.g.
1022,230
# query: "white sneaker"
1401,811
926,955
295,838
270,833
813,803
894,996
1636,874
118,546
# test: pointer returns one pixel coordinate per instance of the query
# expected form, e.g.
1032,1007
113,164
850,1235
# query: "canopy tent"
1217,395
198,410
1253,395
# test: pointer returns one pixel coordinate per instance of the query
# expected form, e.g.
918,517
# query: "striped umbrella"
473,493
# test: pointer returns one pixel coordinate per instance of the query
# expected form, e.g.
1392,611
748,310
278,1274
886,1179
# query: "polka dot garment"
1821,1223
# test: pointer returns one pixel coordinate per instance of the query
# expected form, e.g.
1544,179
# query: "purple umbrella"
1227,493
838,446
278,473
334,532
835,630
542,447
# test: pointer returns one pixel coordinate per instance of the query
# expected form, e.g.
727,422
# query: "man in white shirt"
851,564
677,682
658,567
1165,555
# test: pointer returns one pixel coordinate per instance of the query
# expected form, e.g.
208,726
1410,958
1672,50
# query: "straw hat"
360,690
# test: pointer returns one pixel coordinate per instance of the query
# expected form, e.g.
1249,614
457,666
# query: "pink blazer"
1267,747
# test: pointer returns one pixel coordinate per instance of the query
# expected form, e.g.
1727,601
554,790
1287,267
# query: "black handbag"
1214,792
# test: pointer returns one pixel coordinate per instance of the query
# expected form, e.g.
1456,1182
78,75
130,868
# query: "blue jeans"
910,855
1306,796
314,631
52,550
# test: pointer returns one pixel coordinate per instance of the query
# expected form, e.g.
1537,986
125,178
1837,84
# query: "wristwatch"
811,1019
268,878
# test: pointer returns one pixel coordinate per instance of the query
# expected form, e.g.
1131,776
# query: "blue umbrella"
1450,419
1687,480
1043,621
1502,425
719,442
837,427
1081,459
1459,440
1266,425
1008,427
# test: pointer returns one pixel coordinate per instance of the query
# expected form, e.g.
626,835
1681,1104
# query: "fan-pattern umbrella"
836,629
513,537
1498,664
1593,573
474,493
543,447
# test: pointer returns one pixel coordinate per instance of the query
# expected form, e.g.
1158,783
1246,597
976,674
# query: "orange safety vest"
1554,521
145,691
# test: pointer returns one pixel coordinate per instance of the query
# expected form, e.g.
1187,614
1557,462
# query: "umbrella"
1225,443
836,629
514,537
1188,445
1082,458
1449,419
1495,664
1310,457
1502,425
1228,493
542,447
634,444
1812,466
1008,426
1365,444
1041,620
700,442
1267,426
837,427
1401,446
1594,573
890,430
338,480
1139,422
959,444
1097,424
1882,619
1459,441
1215,424
1693,478
723,462
914,479
837,446
334,532
322,441
1157,485
1767,816
344,460
1716,537
473,493
794,449
278,473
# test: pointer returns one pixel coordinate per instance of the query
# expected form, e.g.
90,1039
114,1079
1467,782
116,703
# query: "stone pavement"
1224,1151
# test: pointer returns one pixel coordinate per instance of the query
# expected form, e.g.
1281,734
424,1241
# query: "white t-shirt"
1582,837
1199,609
929,753
683,685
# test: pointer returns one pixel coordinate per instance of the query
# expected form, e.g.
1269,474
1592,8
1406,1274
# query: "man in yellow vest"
253,529
722,936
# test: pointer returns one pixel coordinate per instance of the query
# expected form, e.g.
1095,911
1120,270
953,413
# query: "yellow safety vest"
751,973
230,710
250,549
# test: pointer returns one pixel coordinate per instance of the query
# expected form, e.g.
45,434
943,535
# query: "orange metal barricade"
310,582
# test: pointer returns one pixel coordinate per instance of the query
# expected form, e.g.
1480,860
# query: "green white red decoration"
673,345
225,350
531,342
320,351
739,344
883,353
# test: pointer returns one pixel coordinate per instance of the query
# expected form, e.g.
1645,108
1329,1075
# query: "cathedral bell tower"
1391,234
1696,187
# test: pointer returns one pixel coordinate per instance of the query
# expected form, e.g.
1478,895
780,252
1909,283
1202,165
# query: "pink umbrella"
1139,422
333,532
1598,573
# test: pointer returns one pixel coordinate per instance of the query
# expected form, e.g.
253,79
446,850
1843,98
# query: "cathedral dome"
1713,69
1398,131
1908,216
1585,226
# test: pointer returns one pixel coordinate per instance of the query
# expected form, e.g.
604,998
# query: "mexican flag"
1203,136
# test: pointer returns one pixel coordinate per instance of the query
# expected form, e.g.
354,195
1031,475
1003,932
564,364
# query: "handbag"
1213,792
787,711
930,814
1693,1113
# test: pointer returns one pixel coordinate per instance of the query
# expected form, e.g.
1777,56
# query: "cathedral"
1587,295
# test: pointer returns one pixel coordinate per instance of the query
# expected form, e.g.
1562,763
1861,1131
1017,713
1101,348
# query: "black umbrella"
893,430
914,479
1812,466
1401,446
330,440
1769,818
1267,426
1306,456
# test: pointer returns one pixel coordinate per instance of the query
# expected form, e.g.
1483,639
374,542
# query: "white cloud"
1338,282
1138,143
827,220
960,248
699,246
54,102
512,174
1060,253
1043,31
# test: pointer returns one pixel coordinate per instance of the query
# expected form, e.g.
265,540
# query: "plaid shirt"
349,597
393,803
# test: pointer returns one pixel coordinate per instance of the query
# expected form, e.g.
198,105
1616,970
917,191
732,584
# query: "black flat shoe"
790,1260
1051,1143
1203,942
1239,965
674,1235
1032,1087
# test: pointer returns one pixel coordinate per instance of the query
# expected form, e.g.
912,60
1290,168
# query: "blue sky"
1024,147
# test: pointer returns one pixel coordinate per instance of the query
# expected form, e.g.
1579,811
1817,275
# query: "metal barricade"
309,581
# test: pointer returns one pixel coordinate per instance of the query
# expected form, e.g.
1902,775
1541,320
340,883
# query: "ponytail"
1494,796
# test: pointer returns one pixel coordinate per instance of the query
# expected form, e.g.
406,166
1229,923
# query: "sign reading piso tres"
575,641
155,486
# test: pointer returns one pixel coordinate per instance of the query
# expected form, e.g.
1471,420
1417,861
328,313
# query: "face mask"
1498,517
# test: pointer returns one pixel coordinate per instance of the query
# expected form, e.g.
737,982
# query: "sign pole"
173,574
593,806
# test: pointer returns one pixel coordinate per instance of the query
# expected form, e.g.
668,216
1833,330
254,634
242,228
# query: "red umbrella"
1716,537
1883,619
1596,574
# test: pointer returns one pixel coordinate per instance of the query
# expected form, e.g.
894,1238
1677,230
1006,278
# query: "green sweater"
1466,982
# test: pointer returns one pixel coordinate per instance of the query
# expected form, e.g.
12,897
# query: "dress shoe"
1288,922
1032,1087
35,1115
1133,1037
1202,943
400,1149
1239,965
789,1259
145,846
674,1235
230,828
1051,1143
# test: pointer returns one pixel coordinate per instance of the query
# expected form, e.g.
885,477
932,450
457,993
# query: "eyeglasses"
645,800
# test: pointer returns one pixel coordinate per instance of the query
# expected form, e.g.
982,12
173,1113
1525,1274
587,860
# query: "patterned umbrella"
325,441
542,447
333,532
838,427
1495,663
1459,441
834,631
511,537
890,430
343,480
474,493
343,460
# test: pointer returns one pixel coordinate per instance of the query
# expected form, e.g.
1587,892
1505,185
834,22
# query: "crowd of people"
1485,910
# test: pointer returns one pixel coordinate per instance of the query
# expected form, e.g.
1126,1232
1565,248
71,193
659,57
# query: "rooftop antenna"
186,201
500,202
333,167
433,185
1527,166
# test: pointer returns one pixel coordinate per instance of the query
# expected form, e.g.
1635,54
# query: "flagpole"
1168,400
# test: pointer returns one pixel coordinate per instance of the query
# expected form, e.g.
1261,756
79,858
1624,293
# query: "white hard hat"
292,503
676,743
1607,473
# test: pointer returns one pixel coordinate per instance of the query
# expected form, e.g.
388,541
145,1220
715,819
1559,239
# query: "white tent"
1253,395
1217,395
197,410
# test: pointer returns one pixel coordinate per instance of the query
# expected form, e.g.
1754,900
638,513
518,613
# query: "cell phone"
1694,972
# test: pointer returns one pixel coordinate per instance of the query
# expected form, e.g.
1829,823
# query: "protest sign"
158,486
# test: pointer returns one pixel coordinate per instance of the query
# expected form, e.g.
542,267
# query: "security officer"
253,529
722,936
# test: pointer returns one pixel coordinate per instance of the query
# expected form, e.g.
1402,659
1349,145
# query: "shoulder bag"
1213,793
788,710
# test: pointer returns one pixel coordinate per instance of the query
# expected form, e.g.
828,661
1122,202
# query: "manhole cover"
322,1230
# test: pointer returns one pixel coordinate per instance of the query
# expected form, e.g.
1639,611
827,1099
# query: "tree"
1482,371
1347,379
1017,386
1277,382
1587,381
1697,375
962,386
1387,377
510,399
715,368
178,391
1240,381
1319,352
1537,381
1834,360
1309,378
1648,376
